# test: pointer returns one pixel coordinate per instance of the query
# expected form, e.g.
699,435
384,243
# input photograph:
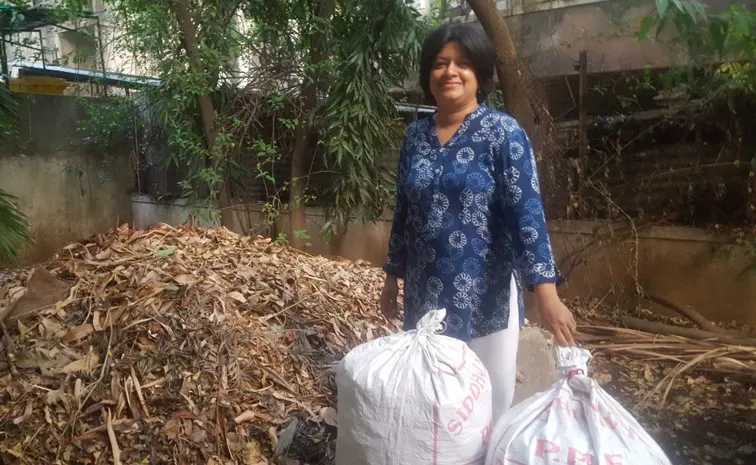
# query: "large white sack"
574,422
413,398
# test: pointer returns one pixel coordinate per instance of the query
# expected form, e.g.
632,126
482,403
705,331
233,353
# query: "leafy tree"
331,64
722,46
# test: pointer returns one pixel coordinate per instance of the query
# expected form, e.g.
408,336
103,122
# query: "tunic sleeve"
396,263
523,208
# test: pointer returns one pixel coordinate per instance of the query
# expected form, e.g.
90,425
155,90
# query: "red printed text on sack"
579,409
548,451
478,382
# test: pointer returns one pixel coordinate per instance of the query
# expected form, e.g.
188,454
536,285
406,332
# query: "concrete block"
536,365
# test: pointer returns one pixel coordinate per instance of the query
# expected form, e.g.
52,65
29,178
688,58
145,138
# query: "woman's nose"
451,69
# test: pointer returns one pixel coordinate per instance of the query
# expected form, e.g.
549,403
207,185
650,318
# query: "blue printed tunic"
468,217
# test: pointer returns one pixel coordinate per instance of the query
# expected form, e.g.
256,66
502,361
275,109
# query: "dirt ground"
702,422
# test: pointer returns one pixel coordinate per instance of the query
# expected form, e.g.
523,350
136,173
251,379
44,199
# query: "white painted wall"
423,6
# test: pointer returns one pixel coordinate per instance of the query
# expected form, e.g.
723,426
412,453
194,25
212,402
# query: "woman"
469,223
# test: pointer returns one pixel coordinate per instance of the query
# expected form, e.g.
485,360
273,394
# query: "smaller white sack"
574,422
413,398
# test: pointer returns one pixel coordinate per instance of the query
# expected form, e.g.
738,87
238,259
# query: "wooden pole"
690,333
583,92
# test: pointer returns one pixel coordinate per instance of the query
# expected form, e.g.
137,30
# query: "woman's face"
452,79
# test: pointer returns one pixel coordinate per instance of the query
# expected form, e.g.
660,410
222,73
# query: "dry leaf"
185,279
602,378
648,374
85,364
77,333
328,415
27,413
245,416
237,296
55,395
251,454
172,428
104,255
96,321
198,435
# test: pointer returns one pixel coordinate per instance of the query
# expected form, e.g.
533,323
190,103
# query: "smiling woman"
469,226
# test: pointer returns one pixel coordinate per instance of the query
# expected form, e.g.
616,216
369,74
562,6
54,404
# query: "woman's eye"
439,65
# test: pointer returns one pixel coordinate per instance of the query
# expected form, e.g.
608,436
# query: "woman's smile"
453,81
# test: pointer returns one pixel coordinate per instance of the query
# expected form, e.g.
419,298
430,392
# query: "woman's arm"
524,209
397,253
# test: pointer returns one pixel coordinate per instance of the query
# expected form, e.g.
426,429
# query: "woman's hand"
389,295
554,315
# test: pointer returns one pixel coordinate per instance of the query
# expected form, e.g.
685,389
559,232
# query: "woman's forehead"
451,50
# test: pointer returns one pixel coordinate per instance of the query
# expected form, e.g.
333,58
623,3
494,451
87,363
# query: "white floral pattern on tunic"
468,217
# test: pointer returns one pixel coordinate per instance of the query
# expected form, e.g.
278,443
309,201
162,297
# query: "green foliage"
14,227
722,46
283,238
109,123
164,253
110,126
366,49
380,42
304,236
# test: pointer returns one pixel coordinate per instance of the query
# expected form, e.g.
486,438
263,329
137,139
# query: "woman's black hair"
474,44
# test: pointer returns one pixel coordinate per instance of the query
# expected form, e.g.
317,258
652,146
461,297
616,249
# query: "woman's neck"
454,116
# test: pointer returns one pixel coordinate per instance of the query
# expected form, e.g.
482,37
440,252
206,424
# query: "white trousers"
498,352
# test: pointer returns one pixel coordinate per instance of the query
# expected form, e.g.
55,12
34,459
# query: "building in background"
423,6
83,49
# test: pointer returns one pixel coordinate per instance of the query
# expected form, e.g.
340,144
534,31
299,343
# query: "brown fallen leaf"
252,455
328,415
245,416
27,413
77,333
55,395
85,364
237,296
185,279
172,428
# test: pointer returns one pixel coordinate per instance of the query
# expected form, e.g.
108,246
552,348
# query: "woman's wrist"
545,291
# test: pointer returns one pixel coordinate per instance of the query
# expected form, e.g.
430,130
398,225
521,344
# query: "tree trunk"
303,135
519,88
207,111
297,205
507,66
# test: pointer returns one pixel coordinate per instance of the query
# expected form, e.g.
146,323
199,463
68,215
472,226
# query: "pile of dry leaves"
178,346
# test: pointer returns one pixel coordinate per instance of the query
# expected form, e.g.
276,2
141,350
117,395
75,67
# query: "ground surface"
703,422
707,418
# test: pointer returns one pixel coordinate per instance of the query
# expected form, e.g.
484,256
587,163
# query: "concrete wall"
551,33
685,265
67,192
688,266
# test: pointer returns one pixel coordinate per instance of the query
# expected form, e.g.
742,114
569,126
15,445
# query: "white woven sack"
574,422
413,398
